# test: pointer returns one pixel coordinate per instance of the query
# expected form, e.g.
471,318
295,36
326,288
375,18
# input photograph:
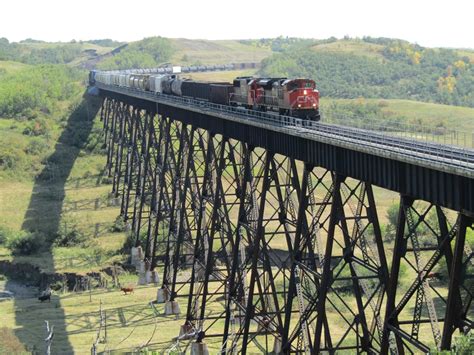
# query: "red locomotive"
293,97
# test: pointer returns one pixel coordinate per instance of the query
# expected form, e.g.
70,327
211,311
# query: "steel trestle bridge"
266,227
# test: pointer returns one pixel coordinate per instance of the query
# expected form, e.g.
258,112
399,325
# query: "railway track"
440,155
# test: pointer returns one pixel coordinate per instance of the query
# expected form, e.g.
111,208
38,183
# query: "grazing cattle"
45,297
127,290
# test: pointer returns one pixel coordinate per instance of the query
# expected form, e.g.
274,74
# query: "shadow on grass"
44,215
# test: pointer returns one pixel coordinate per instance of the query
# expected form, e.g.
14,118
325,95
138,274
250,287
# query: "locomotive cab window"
292,86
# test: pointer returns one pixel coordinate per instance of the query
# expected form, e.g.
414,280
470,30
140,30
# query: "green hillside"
355,48
38,52
154,51
380,68
193,52
414,112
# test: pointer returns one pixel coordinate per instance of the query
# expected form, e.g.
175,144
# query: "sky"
430,23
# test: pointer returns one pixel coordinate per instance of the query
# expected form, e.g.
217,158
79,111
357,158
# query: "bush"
57,286
392,216
118,226
36,146
11,157
9,342
26,243
40,127
464,344
72,238
130,242
69,235
5,235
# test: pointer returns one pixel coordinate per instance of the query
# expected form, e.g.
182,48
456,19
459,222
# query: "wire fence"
83,261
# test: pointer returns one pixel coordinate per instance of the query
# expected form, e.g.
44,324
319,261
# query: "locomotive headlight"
314,105
305,92
299,105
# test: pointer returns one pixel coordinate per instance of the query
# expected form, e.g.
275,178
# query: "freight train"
292,97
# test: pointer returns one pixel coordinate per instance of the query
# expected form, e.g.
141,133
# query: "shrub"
39,127
9,342
69,239
5,235
56,286
464,344
391,227
118,225
11,157
36,146
130,242
26,243
69,235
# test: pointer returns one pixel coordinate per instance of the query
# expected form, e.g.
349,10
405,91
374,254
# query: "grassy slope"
12,67
467,52
455,117
353,47
85,202
221,75
126,316
215,52
84,46
82,57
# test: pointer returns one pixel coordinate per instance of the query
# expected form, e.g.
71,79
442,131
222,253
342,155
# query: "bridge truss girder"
274,254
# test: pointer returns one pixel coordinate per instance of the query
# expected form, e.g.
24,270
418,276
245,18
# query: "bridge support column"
172,307
162,295
455,316
199,348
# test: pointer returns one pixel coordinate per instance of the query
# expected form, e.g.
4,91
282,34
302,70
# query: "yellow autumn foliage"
460,64
447,83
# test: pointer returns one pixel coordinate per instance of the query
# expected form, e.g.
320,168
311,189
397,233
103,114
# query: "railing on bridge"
439,135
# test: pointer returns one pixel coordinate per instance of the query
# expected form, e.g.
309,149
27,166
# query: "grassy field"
227,76
11,67
455,117
131,321
215,52
353,47
423,116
